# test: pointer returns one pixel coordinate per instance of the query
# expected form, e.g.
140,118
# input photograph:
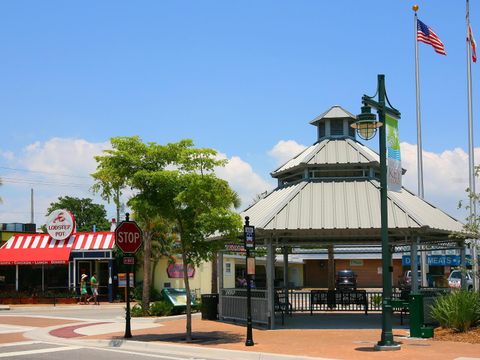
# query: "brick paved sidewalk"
336,344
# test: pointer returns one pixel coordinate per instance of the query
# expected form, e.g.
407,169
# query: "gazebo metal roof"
333,209
326,212
330,152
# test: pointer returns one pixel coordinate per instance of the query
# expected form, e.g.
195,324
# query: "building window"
336,127
228,268
321,130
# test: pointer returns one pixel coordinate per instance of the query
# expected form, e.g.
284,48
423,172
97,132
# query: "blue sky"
239,77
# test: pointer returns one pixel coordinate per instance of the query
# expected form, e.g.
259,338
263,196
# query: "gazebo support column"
463,264
424,266
270,283
331,268
285,274
414,264
220,283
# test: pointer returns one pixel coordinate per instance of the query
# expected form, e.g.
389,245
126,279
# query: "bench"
332,298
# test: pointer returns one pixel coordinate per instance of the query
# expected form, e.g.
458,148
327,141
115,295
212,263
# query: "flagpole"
419,125
471,160
423,262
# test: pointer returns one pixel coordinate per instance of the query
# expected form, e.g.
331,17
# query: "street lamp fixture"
366,126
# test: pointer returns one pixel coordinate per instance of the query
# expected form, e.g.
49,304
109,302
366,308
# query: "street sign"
129,260
128,237
249,237
232,247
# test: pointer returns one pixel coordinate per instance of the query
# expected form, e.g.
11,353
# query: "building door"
102,277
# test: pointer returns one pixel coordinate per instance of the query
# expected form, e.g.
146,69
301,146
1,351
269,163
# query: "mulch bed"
472,336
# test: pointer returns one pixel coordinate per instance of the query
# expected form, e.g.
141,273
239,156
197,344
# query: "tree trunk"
147,253
188,335
154,267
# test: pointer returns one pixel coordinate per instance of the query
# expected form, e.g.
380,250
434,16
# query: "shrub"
459,310
137,292
155,295
160,308
137,311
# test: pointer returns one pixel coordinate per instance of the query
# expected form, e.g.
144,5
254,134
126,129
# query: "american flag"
473,44
426,35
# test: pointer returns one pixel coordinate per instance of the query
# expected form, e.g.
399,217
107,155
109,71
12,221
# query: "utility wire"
44,172
42,182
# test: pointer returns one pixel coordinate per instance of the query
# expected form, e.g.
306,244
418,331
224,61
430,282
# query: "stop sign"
128,236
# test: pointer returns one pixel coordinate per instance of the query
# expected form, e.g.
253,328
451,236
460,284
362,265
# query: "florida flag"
473,44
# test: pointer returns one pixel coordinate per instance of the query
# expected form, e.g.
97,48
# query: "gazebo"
329,196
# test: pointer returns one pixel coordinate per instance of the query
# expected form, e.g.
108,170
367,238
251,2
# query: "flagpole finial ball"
415,8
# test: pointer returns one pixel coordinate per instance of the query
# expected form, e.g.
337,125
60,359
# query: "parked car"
405,282
346,280
455,279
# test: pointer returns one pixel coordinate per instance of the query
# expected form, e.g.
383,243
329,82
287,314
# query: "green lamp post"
366,126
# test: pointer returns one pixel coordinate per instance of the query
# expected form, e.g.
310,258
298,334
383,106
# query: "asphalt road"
37,350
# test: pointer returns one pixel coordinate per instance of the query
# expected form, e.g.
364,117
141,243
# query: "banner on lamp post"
394,163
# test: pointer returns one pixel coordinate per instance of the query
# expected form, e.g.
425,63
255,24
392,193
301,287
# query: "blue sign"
438,260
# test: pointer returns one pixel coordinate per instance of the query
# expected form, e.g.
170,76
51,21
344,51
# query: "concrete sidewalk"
323,336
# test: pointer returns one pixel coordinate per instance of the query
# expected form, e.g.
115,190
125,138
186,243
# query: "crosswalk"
28,349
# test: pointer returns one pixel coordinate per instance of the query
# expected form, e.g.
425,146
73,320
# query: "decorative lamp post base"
392,347
249,342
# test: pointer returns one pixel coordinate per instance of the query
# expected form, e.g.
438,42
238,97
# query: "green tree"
199,203
471,229
87,214
116,170
177,182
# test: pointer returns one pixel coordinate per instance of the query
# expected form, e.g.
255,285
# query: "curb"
4,307
195,351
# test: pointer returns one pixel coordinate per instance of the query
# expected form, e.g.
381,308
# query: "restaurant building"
40,262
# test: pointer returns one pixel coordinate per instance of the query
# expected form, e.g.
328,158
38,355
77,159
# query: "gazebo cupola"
335,156
334,123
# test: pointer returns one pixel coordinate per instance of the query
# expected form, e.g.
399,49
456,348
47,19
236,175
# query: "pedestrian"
83,289
94,288
241,282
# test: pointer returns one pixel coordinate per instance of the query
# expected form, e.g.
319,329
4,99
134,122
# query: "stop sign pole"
128,238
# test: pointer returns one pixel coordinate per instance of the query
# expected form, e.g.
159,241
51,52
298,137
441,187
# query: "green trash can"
209,307
416,314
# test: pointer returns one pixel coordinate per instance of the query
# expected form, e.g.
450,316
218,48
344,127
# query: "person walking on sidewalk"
83,289
94,288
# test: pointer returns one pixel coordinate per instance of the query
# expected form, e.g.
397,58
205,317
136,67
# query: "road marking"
20,343
39,351
6,329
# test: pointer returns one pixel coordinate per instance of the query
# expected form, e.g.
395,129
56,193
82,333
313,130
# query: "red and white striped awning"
24,249
93,241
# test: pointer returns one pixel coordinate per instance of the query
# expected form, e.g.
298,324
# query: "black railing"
325,300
